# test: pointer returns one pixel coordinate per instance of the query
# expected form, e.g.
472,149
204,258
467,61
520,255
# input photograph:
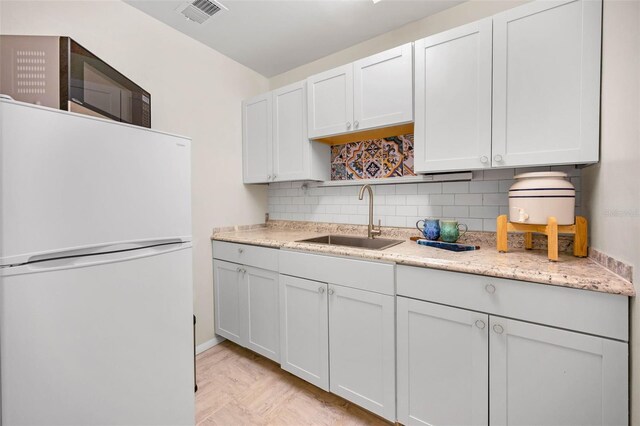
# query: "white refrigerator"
96,297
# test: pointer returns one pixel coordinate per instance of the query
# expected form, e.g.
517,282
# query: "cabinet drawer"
260,257
573,309
362,274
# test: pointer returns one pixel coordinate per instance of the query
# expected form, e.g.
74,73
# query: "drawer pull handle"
240,250
490,288
331,291
480,324
321,290
498,328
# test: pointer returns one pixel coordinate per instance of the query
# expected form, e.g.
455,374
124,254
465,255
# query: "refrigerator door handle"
102,249
92,259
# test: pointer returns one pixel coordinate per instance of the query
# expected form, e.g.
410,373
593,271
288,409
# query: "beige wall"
458,15
195,92
611,189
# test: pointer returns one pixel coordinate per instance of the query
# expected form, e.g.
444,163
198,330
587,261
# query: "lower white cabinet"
247,306
304,329
340,337
260,308
362,348
470,350
227,283
462,367
546,376
443,368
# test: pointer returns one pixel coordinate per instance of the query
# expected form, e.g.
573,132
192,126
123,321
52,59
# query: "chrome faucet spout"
371,231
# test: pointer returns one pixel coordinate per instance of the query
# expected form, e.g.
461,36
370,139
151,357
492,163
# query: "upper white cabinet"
383,89
453,99
373,92
519,89
546,83
275,143
330,102
257,139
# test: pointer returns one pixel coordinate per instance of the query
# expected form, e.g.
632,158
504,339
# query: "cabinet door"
547,376
304,329
362,342
330,102
443,366
260,311
383,88
257,139
453,99
290,143
227,284
546,83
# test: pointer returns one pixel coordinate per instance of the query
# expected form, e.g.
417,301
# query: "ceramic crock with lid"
538,195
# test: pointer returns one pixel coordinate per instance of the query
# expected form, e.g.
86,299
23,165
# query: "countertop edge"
558,280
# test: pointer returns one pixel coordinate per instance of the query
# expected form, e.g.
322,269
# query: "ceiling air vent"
200,10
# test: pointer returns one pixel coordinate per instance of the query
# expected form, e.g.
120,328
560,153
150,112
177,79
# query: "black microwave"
59,73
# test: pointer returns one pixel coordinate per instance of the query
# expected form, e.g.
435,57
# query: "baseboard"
209,344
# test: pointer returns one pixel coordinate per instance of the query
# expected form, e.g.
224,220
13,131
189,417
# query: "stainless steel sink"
351,241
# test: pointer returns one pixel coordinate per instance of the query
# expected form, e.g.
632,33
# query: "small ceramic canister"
431,229
450,230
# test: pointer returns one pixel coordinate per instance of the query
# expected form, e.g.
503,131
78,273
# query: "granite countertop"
517,264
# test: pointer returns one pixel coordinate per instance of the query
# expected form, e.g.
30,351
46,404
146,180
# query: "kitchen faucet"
372,232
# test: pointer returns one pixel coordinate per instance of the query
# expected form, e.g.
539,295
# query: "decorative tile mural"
373,159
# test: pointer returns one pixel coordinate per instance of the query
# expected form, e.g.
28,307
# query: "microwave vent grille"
30,67
200,10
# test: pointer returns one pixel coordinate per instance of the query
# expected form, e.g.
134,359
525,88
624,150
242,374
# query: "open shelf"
441,177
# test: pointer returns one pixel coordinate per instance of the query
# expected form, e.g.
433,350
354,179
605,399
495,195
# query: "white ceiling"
274,36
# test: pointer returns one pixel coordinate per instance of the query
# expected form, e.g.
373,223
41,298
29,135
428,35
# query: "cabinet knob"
268,177
348,124
273,177
238,269
356,124
490,288
240,250
497,158
498,328
484,159
480,324
331,291
321,290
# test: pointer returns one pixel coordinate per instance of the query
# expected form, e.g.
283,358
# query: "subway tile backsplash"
476,203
